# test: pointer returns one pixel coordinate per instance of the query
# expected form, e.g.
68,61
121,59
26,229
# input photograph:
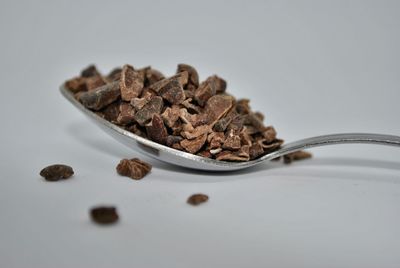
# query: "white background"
313,67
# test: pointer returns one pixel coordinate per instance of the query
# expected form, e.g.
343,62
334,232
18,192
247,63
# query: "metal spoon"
176,157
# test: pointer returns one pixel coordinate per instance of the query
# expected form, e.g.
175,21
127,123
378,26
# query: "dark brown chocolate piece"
156,130
114,75
90,71
197,199
111,112
126,114
192,73
232,141
76,84
206,90
56,172
94,82
220,84
104,215
131,83
133,168
194,145
171,115
296,156
154,106
101,97
217,106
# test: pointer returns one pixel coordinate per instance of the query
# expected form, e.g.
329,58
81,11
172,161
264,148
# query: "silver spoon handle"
331,139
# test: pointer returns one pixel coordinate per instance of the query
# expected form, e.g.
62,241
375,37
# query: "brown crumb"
56,172
104,215
197,199
133,168
296,156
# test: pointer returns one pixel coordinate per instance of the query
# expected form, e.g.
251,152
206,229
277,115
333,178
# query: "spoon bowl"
188,160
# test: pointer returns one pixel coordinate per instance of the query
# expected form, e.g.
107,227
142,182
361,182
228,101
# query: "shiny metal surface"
188,160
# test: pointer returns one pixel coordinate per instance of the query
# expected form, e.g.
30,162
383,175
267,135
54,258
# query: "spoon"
176,157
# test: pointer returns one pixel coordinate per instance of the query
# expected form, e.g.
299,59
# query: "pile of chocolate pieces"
179,111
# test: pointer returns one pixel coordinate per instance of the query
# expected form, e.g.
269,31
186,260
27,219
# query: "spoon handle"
332,139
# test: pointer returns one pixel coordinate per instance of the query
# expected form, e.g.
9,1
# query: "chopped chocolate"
197,199
104,215
156,130
131,83
56,172
296,156
90,71
133,168
194,145
154,106
173,92
111,112
192,73
269,134
94,82
217,106
114,75
173,139
126,114
195,132
255,150
206,90
76,84
178,111
220,84
101,97
171,115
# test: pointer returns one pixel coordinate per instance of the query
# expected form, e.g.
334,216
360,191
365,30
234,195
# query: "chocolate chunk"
296,156
137,130
173,139
190,106
56,172
245,137
76,84
193,75
255,150
195,132
197,199
230,156
139,103
255,122
94,82
270,146
131,83
101,97
133,168
259,115
217,106
156,130
126,114
152,76
111,112
154,106
269,134
205,153
114,75
220,84
232,141
171,115
104,215
181,78
206,90
90,71
173,92
242,106
194,145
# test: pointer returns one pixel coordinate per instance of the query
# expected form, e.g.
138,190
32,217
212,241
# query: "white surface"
319,67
